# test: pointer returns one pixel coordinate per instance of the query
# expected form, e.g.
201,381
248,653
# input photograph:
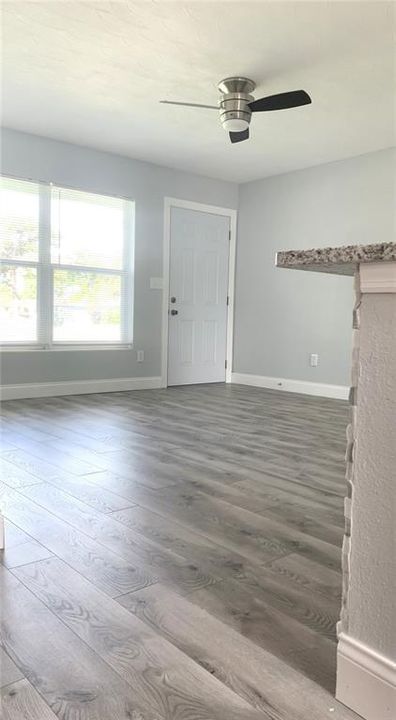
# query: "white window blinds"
86,229
66,266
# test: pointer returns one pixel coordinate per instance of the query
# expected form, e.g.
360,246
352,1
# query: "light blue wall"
37,158
282,316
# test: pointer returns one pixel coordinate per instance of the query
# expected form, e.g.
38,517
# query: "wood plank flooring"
172,555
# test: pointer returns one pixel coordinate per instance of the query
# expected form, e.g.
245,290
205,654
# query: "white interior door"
198,285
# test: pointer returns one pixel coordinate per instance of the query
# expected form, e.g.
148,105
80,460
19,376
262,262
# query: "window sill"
64,348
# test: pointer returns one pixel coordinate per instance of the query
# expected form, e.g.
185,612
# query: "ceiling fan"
236,105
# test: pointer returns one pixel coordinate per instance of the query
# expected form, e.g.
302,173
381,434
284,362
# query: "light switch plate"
156,283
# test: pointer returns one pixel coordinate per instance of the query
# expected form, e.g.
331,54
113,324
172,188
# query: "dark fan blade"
239,136
281,101
170,102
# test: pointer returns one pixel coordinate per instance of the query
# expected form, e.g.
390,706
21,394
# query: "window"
66,266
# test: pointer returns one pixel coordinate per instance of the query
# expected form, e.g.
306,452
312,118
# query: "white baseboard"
82,387
366,680
77,387
340,392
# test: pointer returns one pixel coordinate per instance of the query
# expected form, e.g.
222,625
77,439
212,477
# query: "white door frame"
170,203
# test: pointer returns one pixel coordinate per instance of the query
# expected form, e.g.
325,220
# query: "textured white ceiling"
92,73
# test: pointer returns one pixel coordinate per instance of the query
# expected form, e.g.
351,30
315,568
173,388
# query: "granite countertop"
336,260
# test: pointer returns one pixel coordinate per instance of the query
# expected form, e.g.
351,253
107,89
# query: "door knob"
173,299
174,312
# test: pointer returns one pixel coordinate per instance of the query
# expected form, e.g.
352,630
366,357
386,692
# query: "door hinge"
229,234
225,364
228,299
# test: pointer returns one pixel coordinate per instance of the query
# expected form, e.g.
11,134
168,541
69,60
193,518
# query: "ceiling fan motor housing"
234,102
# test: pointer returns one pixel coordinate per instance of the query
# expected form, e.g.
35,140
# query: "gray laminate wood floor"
172,555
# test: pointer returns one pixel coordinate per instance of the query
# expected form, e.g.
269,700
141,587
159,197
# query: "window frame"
45,278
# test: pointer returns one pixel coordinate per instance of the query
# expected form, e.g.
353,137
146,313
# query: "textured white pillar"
366,665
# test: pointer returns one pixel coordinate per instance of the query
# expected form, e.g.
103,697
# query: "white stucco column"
366,654
366,664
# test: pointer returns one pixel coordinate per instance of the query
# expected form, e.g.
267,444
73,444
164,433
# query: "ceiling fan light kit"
234,100
236,105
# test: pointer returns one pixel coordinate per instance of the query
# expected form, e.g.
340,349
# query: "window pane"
19,220
86,229
87,307
18,306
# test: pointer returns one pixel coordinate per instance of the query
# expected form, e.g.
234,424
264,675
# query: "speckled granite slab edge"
342,260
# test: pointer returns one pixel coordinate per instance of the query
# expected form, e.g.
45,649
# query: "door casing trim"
169,203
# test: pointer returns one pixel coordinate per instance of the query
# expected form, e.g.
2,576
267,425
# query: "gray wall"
29,156
284,315
281,315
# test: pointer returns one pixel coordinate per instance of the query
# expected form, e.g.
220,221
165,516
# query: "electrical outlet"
314,359
140,355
